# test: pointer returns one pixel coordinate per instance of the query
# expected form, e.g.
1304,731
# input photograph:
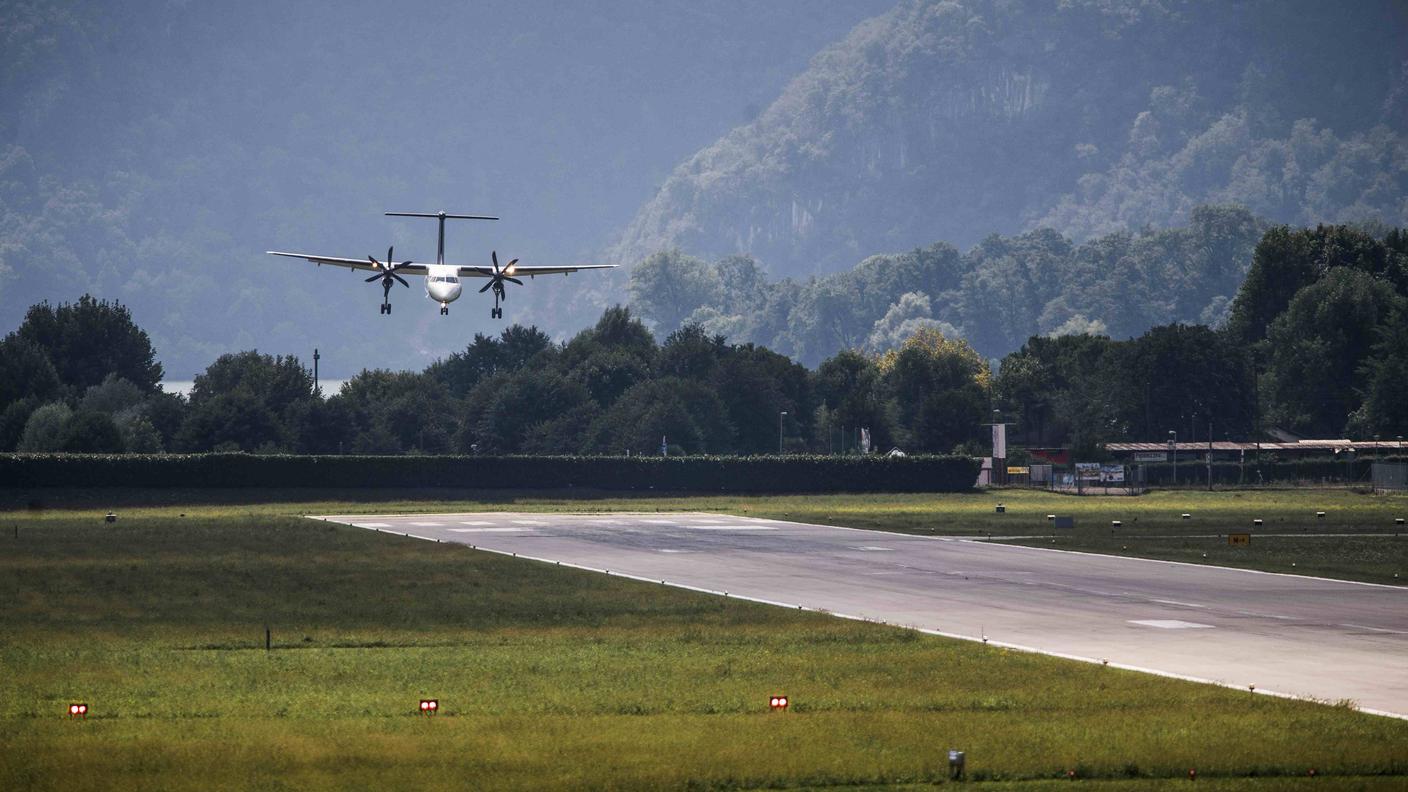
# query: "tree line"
1315,342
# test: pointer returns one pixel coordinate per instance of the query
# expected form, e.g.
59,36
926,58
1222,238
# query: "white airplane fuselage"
442,283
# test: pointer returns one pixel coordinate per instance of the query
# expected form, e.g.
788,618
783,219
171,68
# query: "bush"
681,474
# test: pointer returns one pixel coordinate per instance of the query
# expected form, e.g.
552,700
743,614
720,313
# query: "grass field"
553,678
1152,525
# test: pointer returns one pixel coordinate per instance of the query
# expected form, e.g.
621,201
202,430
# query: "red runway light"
778,702
77,710
429,706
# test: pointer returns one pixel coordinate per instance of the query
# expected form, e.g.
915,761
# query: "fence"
1390,476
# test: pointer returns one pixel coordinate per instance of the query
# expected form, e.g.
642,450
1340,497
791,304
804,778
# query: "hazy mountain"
151,151
956,119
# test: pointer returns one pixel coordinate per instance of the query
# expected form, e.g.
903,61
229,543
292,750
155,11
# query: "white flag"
865,441
664,449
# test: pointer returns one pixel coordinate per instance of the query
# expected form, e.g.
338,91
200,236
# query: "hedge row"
695,474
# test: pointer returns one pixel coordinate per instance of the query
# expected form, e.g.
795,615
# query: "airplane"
442,282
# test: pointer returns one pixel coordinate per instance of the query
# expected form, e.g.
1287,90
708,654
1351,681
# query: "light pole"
780,416
1173,449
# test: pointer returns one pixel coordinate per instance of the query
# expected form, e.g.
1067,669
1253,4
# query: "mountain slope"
952,120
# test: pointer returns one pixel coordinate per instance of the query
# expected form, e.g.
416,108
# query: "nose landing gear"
496,313
386,307
444,309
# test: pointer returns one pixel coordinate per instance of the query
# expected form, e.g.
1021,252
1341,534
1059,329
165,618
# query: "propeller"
388,272
496,281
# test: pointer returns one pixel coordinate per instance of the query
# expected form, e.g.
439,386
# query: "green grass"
1148,520
555,678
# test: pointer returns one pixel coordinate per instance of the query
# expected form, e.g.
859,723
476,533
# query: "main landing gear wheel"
496,313
386,308
444,310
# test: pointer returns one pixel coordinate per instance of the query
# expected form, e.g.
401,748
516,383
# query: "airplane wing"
356,264
486,271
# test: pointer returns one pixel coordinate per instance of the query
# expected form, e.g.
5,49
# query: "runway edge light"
777,703
429,706
78,709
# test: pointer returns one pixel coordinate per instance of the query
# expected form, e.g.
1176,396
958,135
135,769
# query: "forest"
1314,342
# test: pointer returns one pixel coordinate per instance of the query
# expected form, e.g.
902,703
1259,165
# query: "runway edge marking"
923,630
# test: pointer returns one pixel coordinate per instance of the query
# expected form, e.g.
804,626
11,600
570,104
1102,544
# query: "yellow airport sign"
1239,539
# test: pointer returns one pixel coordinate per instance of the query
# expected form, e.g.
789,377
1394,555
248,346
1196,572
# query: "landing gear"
386,307
497,312
444,310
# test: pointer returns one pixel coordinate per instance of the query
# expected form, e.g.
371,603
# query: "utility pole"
1173,449
316,357
1209,455
780,416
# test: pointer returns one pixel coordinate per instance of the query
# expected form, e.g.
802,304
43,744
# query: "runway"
1283,634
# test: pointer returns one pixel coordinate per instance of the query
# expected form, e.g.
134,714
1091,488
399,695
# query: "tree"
391,412
503,410
939,391
113,395
1287,260
691,353
275,381
44,430
1384,411
25,371
91,432
848,387
13,419
1179,376
1315,349
688,414
755,386
485,356
667,287
90,339
235,420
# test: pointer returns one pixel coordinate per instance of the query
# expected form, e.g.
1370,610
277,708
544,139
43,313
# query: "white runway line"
476,522
1176,602
372,525
731,527
1171,624
527,522
488,530
427,524
1374,629
659,522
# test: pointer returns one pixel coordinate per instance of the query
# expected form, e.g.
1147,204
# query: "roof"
1229,445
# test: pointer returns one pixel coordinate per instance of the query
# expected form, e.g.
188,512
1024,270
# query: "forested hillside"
956,119
994,296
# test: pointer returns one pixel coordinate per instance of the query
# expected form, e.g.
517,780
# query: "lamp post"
780,416
1173,449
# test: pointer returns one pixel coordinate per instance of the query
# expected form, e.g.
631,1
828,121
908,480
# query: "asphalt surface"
1283,634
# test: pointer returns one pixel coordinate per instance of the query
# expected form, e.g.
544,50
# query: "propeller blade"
389,255
513,280
374,262
494,254
399,279
372,278
486,287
